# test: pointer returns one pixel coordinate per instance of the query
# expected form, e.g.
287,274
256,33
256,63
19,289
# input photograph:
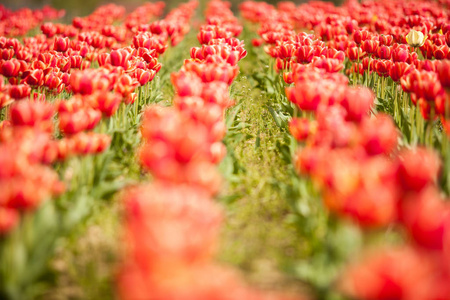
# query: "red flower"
384,52
425,216
402,273
382,67
77,121
379,135
107,103
32,114
89,143
126,85
305,54
11,68
19,91
357,102
61,44
306,95
355,53
301,128
360,36
88,82
120,58
418,168
398,69
34,77
443,70
370,46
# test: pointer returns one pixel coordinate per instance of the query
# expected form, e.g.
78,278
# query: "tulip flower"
415,38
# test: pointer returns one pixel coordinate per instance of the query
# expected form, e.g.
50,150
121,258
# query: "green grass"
257,236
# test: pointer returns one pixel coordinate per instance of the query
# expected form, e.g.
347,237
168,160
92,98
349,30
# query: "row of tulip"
18,23
354,156
172,224
374,38
97,93
58,91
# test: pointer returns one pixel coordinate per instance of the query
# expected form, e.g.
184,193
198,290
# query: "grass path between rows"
258,236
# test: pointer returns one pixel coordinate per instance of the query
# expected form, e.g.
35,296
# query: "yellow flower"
415,38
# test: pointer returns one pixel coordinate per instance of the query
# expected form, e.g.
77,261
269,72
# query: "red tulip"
34,77
411,161
360,36
443,70
10,68
355,53
30,114
19,91
305,54
61,44
441,52
401,273
370,46
120,58
379,135
300,128
425,216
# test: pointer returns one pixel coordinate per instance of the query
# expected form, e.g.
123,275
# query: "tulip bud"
76,61
355,53
382,67
443,70
49,29
386,39
357,103
379,135
204,37
398,69
24,55
6,54
360,36
384,52
61,44
52,81
125,85
75,122
415,38
19,91
144,76
103,59
305,54
411,161
64,64
441,52
425,216
107,103
34,77
10,68
370,46
120,58
301,128
30,114
130,98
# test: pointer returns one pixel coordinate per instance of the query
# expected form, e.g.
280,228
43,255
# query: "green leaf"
275,116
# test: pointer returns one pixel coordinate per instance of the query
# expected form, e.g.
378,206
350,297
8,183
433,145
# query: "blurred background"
85,7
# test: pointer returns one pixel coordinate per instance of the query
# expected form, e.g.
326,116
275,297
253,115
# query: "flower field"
209,152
